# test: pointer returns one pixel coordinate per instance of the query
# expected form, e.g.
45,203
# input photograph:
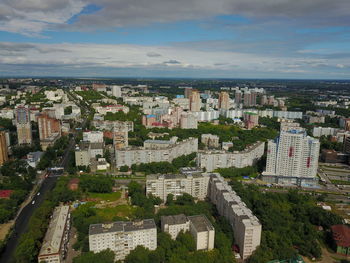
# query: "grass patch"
106,196
109,213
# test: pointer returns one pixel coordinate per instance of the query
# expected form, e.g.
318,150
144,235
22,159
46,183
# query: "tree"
105,256
138,255
124,168
170,199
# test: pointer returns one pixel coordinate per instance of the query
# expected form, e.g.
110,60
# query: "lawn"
110,197
109,213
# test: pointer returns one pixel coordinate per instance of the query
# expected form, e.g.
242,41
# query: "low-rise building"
33,158
341,238
123,237
54,246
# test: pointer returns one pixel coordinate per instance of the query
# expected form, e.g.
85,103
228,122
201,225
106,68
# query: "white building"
116,91
211,160
123,237
93,136
292,159
246,227
103,110
199,226
324,131
54,246
195,184
138,155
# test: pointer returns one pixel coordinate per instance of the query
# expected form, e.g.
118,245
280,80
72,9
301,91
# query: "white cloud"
91,58
34,16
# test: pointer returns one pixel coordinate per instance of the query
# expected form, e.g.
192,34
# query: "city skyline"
174,39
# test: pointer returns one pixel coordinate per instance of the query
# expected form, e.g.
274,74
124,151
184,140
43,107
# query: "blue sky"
179,38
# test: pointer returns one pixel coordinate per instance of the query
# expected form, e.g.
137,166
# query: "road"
21,224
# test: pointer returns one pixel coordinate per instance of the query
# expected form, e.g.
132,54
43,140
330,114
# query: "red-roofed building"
341,237
5,194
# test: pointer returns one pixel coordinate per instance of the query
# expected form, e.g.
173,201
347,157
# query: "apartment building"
224,100
93,136
138,155
122,237
199,226
195,101
210,140
292,158
246,227
3,148
194,184
23,124
211,160
54,246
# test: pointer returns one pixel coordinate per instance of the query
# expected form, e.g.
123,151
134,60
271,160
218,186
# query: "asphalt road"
21,223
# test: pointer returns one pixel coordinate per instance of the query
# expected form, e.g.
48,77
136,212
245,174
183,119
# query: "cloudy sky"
176,38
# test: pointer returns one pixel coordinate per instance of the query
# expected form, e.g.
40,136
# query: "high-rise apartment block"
195,101
292,158
3,148
250,119
122,237
24,127
188,92
116,91
246,227
238,97
249,98
224,100
48,126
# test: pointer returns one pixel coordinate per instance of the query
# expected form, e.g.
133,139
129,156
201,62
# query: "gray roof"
121,226
201,223
174,219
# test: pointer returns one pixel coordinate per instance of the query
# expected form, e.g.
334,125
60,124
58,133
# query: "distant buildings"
122,237
211,160
224,100
195,101
24,127
250,119
292,158
199,226
54,246
116,91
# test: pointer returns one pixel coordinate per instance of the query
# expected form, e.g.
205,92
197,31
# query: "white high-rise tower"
292,158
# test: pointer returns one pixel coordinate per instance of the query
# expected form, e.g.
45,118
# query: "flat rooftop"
121,226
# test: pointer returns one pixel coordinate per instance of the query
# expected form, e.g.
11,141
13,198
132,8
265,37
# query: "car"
33,202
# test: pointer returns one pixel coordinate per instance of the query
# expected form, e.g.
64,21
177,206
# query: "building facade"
211,160
122,237
292,158
194,184
24,127
138,155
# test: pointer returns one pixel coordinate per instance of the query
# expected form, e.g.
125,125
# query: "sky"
296,39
